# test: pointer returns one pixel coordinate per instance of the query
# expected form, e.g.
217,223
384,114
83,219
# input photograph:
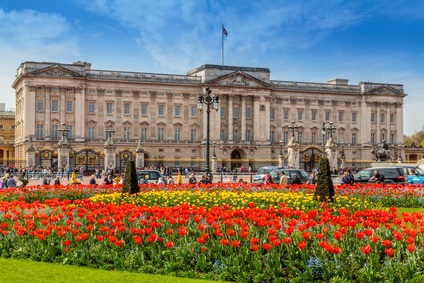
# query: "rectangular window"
271,136
177,110
300,136
90,134
373,117
271,114
286,114
341,114
12,127
161,110
127,133
341,137
327,116
143,109
69,106
248,135
193,134
392,118
382,137
40,105
70,133
286,136
177,134
39,133
235,135
392,138
300,115
91,108
222,109
354,117
144,134
353,138
382,117
127,108
235,113
109,108
314,115
193,111
161,134
248,113
55,105
222,135
54,131
373,138
314,137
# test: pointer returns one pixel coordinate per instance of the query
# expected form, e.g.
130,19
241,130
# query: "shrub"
324,189
130,180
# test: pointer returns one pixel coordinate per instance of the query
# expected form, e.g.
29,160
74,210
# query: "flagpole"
222,33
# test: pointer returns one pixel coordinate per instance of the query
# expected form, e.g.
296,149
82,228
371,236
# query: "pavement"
217,178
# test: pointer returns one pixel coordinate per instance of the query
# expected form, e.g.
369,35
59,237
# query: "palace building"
157,115
7,136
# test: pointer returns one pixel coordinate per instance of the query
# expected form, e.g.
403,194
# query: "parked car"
391,175
290,173
414,175
262,172
151,176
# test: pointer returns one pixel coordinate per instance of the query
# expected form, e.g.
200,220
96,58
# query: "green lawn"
25,271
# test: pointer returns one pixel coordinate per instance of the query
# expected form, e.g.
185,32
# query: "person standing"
283,179
11,182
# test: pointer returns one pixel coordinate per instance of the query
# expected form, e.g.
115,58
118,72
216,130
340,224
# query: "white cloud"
31,36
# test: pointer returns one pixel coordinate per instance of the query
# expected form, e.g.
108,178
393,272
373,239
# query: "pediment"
55,71
385,90
239,79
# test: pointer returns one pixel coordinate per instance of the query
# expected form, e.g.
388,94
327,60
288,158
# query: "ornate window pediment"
238,79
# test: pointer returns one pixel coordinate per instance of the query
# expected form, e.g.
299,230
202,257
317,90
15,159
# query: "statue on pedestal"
382,153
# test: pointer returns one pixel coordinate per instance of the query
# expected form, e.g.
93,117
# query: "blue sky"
309,41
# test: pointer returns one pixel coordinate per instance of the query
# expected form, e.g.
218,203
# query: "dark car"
290,173
151,176
390,175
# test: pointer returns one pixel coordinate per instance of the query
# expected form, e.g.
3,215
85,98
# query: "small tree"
324,188
130,180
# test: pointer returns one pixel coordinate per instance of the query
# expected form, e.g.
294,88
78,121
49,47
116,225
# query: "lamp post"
292,128
324,131
343,157
208,101
281,147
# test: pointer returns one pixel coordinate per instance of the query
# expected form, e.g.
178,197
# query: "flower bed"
244,234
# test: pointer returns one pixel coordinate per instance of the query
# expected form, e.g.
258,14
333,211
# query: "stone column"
243,118
230,117
214,168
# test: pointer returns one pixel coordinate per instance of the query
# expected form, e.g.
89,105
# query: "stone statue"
382,153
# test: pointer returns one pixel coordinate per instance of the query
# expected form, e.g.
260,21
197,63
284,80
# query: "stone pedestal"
214,168
30,154
293,153
332,154
139,158
110,157
281,160
63,157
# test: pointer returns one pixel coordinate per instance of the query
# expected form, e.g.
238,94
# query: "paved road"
85,180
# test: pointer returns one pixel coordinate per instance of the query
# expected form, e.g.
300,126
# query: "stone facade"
157,114
7,136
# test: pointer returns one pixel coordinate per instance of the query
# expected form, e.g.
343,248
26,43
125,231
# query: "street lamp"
324,131
208,101
281,147
293,127
109,134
